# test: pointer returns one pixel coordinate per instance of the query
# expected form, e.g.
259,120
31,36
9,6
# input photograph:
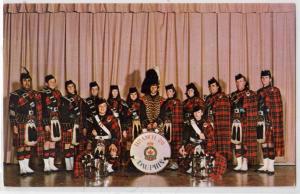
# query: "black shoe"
237,170
270,173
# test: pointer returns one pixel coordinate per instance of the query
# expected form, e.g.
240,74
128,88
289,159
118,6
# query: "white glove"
144,130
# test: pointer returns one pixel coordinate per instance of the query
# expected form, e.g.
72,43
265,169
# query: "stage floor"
284,176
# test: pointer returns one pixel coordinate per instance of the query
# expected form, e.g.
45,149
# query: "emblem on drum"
149,152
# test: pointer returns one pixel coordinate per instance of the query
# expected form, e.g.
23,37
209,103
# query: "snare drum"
150,152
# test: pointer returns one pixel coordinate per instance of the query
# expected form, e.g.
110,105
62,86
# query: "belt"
196,141
236,110
98,137
53,109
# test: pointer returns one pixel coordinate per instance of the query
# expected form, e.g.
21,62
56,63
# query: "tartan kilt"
19,139
269,136
78,166
40,142
67,136
47,135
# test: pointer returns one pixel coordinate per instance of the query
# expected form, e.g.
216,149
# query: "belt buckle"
261,113
24,95
71,100
89,102
54,118
236,110
30,112
48,91
30,121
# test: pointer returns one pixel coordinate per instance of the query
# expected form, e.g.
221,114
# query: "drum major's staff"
216,125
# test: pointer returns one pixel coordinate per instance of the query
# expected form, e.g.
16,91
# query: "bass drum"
150,152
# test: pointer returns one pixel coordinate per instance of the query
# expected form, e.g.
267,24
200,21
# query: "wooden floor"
284,176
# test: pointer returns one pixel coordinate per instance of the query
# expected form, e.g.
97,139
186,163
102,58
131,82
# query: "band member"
270,124
51,101
71,123
244,120
198,136
89,111
193,99
117,104
106,128
152,100
171,114
217,112
136,120
119,108
25,114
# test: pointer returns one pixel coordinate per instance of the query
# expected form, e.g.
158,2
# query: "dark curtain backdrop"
117,43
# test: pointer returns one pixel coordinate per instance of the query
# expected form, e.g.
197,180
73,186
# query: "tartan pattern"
273,101
116,104
78,169
190,103
47,136
67,108
40,141
112,124
177,122
67,122
210,136
19,105
67,137
220,105
209,146
220,166
249,123
269,135
19,139
139,106
46,102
